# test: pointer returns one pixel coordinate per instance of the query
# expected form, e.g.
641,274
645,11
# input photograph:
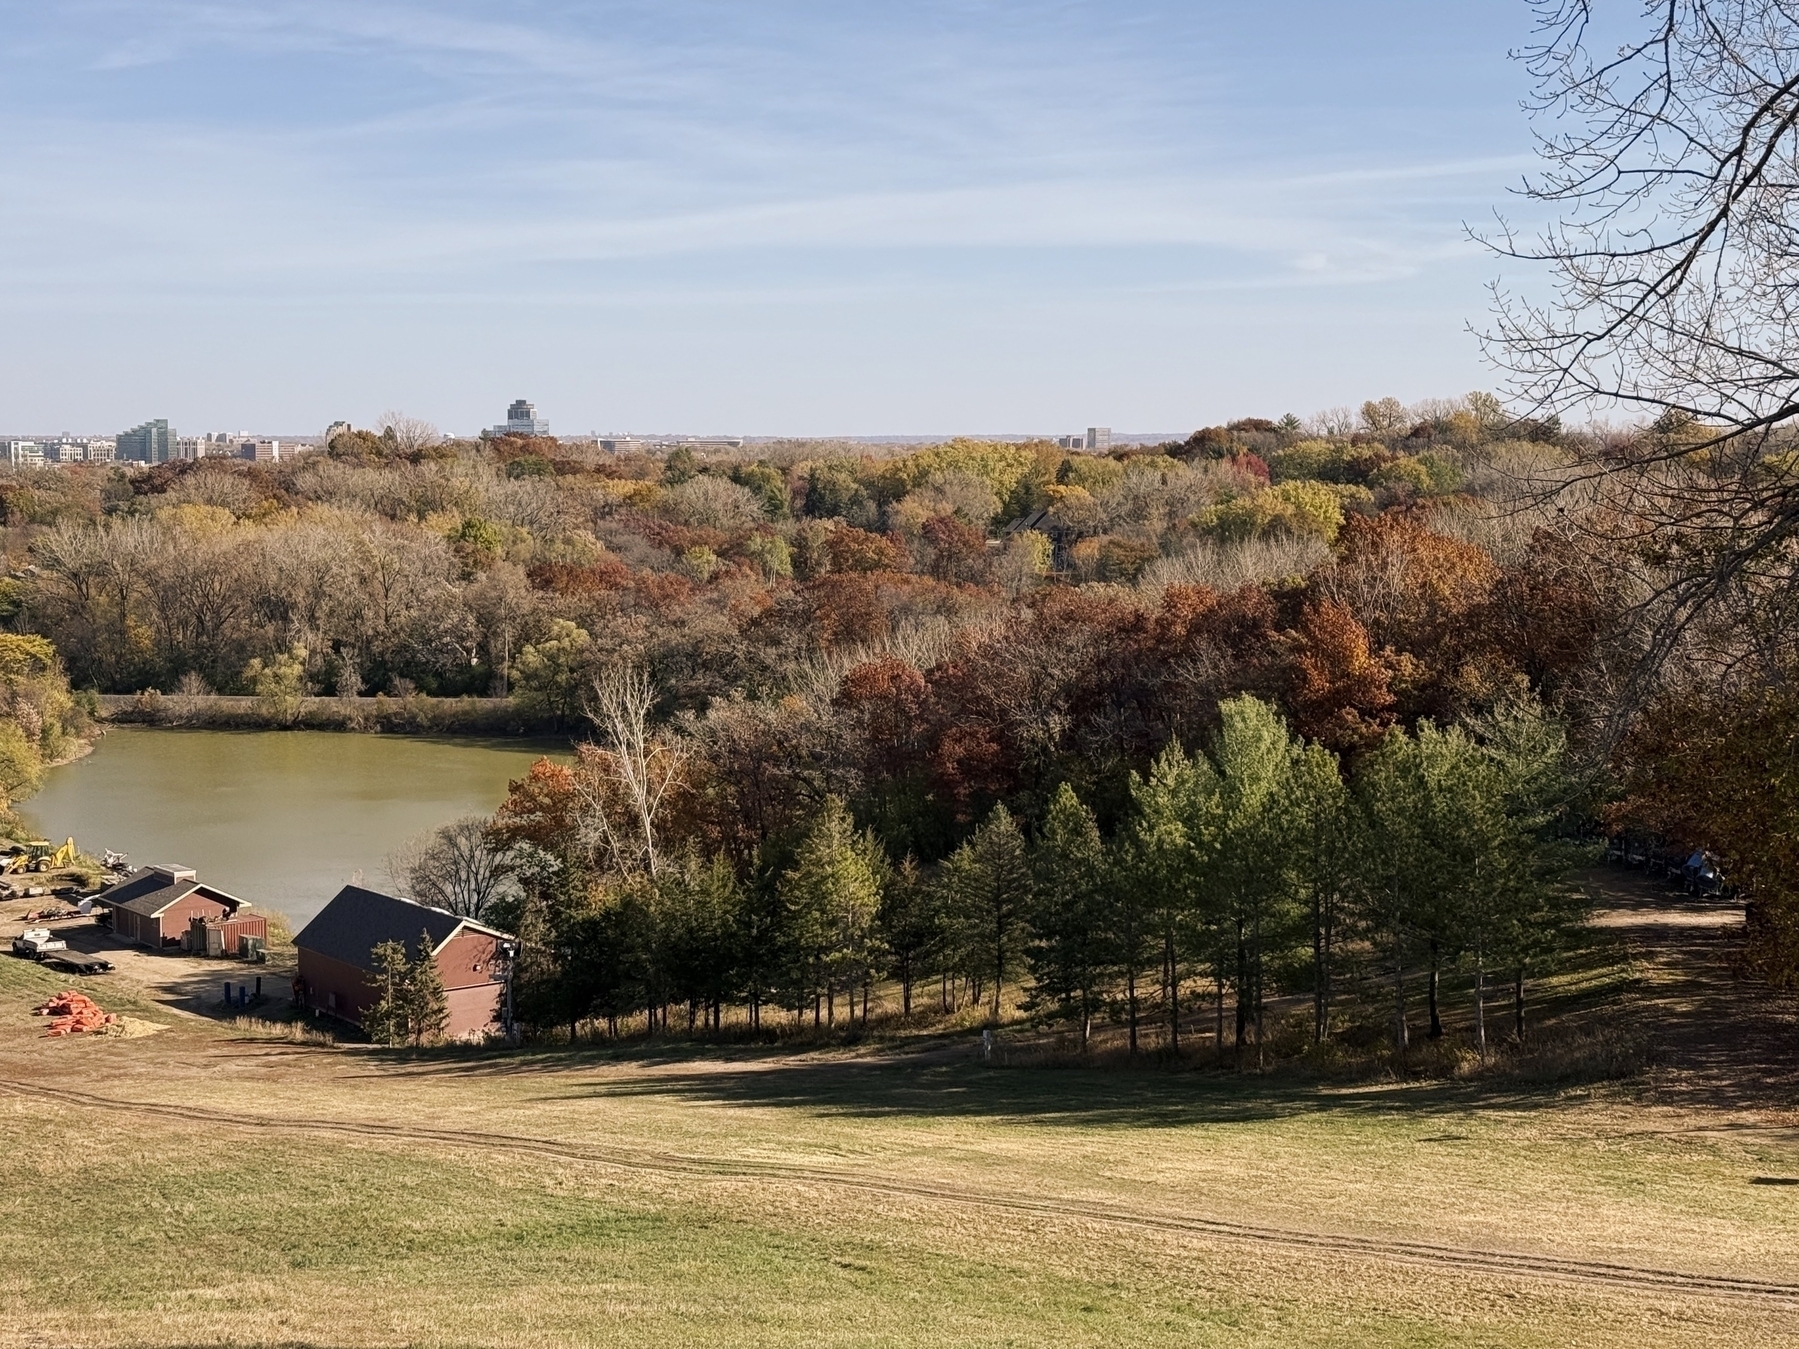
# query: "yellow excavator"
40,854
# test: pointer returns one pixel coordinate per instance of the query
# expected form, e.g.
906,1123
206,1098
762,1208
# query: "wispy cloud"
678,154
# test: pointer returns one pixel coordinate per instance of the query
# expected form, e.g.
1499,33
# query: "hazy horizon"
794,219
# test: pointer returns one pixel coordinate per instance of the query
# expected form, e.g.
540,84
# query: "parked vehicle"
75,962
1700,875
36,942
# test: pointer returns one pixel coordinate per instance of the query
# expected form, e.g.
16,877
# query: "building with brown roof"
158,906
337,962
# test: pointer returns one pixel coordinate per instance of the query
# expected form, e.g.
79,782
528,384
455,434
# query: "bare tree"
1671,171
410,434
456,867
624,786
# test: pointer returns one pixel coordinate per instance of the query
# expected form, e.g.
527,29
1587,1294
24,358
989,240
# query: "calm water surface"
280,818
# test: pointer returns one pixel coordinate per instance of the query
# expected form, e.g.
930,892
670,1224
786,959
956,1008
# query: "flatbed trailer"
76,962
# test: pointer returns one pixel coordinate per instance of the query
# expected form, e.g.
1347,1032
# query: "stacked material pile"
73,1013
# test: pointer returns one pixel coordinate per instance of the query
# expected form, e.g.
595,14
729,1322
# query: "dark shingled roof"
356,921
150,890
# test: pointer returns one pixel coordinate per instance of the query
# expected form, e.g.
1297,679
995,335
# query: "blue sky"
848,217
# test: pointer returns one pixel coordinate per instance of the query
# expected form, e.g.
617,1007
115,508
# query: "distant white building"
24,453
263,451
1097,438
522,420
79,450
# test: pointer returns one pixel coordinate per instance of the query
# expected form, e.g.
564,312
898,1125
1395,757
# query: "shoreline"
417,714
84,746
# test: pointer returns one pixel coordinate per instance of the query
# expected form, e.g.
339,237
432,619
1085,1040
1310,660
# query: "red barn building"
156,906
337,965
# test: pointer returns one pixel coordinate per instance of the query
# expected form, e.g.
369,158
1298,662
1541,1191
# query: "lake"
279,818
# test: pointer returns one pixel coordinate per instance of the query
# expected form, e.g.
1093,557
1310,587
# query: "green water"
280,818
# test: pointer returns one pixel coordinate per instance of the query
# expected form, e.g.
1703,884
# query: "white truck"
35,943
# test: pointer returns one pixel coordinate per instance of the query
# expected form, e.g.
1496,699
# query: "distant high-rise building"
522,420
151,443
1097,438
24,453
264,451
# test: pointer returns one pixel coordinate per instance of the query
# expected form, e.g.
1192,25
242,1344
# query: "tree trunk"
999,975
1401,1034
1218,1043
1086,1018
1329,936
1480,1004
1518,1004
1130,999
1242,1009
1436,1020
906,989
1261,1059
1317,966
1174,995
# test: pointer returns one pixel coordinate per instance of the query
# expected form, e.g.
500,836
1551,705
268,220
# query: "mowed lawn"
761,1198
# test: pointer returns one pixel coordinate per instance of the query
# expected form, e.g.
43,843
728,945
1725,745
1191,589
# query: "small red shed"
337,967
155,905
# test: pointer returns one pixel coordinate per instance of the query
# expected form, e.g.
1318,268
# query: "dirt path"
1718,1042
1463,1259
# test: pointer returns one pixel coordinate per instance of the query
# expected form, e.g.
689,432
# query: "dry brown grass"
240,1183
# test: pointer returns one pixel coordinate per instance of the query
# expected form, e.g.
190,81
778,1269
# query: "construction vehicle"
40,854
37,942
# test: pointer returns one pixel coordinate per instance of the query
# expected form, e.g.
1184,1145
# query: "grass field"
210,1185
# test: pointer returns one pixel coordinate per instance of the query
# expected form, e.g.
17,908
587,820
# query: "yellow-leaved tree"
40,721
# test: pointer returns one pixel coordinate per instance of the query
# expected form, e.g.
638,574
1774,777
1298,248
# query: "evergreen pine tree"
988,882
1070,917
830,897
427,1007
386,1021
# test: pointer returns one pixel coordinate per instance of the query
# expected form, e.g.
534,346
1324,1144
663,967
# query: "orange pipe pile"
73,1013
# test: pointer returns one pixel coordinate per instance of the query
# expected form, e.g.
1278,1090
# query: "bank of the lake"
280,818
415,714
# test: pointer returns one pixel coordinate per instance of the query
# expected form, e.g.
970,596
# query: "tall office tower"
151,443
522,420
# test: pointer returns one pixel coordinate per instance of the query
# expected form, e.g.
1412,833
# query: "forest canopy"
1002,715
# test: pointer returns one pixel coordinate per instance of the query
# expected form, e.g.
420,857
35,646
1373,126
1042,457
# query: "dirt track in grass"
1409,1252
1485,1211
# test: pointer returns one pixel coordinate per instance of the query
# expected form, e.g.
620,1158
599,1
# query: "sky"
761,217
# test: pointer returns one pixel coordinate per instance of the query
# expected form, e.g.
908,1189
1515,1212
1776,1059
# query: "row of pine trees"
1253,869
